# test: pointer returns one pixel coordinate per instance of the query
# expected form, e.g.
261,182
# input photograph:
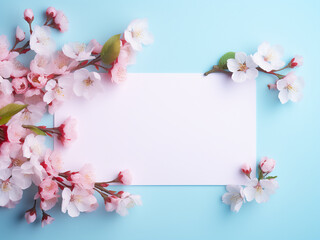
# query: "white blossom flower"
5,86
268,58
234,197
76,201
41,42
127,201
58,91
243,68
137,34
290,88
33,146
86,83
9,192
31,169
78,51
260,190
32,114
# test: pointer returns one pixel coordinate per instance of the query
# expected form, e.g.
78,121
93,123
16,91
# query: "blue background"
190,36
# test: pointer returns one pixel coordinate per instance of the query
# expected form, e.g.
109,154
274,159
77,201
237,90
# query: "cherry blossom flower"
260,190
9,192
290,88
31,170
53,163
126,55
33,145
86,83
33,96
118,73
20,85
268,58
5,99
16,132
68,131
76,201
267,164
5,162
41,42
46,219
137,34
78,51
18,69
61,21
32,114
41,65
5,86
20,34
246,169
234,197
127,201
84,179
30,215
28,15
97,47
21,178
111,203
242,67
48,193
58,91
63,64
36,80
4,47
125,177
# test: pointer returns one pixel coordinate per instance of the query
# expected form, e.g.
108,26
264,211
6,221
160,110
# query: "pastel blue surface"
190,36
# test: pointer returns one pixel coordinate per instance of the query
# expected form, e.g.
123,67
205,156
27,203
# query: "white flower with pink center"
137,34
260,190
58,91
48,193
5,86
118,73
86,84
33,170
242,67
76,201
268,57
234,197
290,88
4,47
78,51
53,163
41,42
63,64
16,132
126,202
84,179
33,146
41,65
9,192
32,114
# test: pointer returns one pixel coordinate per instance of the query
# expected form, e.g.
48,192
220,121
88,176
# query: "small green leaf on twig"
10,110
271,177
35,129
224,59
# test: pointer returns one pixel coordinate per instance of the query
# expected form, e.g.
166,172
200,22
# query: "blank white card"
167,128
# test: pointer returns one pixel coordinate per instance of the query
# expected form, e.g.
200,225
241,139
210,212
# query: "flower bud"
267,165
30,215
20,35
297,61
51,12
46,219
246,169
28,15
125,177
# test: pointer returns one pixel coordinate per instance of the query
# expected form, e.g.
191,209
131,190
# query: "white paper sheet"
167,128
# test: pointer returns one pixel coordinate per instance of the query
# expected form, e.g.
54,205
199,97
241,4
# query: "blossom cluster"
268,59
27,93
258,189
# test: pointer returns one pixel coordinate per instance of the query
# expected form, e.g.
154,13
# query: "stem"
215,69
273,73
23,47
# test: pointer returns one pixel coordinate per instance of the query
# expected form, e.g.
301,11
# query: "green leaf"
223,60
36,130
271,177
111,49
10,110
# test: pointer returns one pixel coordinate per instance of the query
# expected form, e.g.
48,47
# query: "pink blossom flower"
126,55
36,80
4,47
53,162
246,169
28,15
33,145
9,192
63,64
41,65
118,73
31,170
68,132
48,192
127,201
111,203
20,85
76,201
125,177
16,132
30,215
5,99
46,219
61,21
267,164
84,179
32,114
33,96
40,41
18,69
20,34
78,51
97,47
5,86
51,12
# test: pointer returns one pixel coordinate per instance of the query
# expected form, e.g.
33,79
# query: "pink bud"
246,169
30,215
46,219
125,177
267,164
20,35
51,12
28,15
297,61
20,85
